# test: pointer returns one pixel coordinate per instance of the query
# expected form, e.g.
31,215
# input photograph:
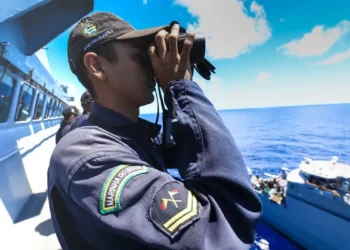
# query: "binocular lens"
197,52
197,56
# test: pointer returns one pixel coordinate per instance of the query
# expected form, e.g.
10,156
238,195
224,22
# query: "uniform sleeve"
215,207
131,199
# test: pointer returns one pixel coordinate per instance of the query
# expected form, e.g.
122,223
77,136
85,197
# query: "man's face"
71,118
128,77
87,106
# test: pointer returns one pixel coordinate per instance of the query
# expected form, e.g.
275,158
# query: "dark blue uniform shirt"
80,121
110,190
62,131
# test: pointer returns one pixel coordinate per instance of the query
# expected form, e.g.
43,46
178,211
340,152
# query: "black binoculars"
197,56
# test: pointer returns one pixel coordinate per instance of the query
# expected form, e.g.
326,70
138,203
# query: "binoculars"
197,56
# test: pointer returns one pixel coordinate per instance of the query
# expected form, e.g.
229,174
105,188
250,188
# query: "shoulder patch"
173,208
114,185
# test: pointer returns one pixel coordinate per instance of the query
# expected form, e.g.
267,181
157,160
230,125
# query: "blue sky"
267,52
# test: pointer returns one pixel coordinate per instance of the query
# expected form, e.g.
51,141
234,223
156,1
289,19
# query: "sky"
266,52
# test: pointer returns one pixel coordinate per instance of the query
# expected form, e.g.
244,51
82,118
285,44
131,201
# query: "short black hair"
106,51
70,110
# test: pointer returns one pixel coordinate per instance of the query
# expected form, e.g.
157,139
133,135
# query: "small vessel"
309,204
263,244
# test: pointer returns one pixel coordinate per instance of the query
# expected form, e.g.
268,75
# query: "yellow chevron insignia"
173,208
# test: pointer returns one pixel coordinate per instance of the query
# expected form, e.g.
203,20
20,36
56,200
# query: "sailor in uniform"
108,184
70,113
86,103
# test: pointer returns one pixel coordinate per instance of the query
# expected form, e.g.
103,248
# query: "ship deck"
33,229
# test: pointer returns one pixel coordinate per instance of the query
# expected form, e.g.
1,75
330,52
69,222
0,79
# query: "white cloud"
317,42
336,58
144,1
214,91
230,29
278,93
42,56
263,77
210,87
282,20
73,91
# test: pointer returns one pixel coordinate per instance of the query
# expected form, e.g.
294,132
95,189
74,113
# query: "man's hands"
168,64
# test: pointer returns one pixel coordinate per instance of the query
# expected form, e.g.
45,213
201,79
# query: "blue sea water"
271,137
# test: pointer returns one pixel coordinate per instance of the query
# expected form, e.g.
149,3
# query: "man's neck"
126,110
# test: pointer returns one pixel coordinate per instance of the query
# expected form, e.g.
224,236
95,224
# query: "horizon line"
282,106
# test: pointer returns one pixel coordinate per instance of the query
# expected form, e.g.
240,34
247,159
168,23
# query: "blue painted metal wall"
23,31
14,8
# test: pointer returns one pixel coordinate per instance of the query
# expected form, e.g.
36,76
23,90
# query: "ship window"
48,107
7,87
24,103
58,109
61,109
52,114
39,106
55,111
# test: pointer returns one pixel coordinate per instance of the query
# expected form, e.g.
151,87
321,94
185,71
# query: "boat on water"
309,204
31,100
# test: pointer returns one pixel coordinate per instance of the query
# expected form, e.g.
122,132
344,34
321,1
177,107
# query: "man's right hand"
168,64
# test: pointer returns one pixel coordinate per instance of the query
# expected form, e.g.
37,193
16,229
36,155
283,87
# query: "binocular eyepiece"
197,55
198,48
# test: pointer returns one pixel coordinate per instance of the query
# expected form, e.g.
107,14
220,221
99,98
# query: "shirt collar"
118,120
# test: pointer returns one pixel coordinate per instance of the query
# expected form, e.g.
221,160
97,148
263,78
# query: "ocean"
272,137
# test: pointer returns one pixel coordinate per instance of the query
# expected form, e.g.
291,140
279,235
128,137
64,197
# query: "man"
70,113
86,103
108,185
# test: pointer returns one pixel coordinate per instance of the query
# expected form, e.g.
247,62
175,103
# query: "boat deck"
33,229
326,169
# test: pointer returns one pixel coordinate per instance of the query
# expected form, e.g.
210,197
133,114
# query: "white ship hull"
309,226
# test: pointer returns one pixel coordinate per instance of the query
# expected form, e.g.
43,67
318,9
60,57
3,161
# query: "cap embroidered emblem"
89,28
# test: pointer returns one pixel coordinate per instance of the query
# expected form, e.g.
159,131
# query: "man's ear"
95,66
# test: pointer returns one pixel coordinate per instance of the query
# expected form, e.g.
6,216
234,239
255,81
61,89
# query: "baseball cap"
99,28
70,110
85,96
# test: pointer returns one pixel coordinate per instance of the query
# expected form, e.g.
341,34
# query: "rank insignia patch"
173,208
114,185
